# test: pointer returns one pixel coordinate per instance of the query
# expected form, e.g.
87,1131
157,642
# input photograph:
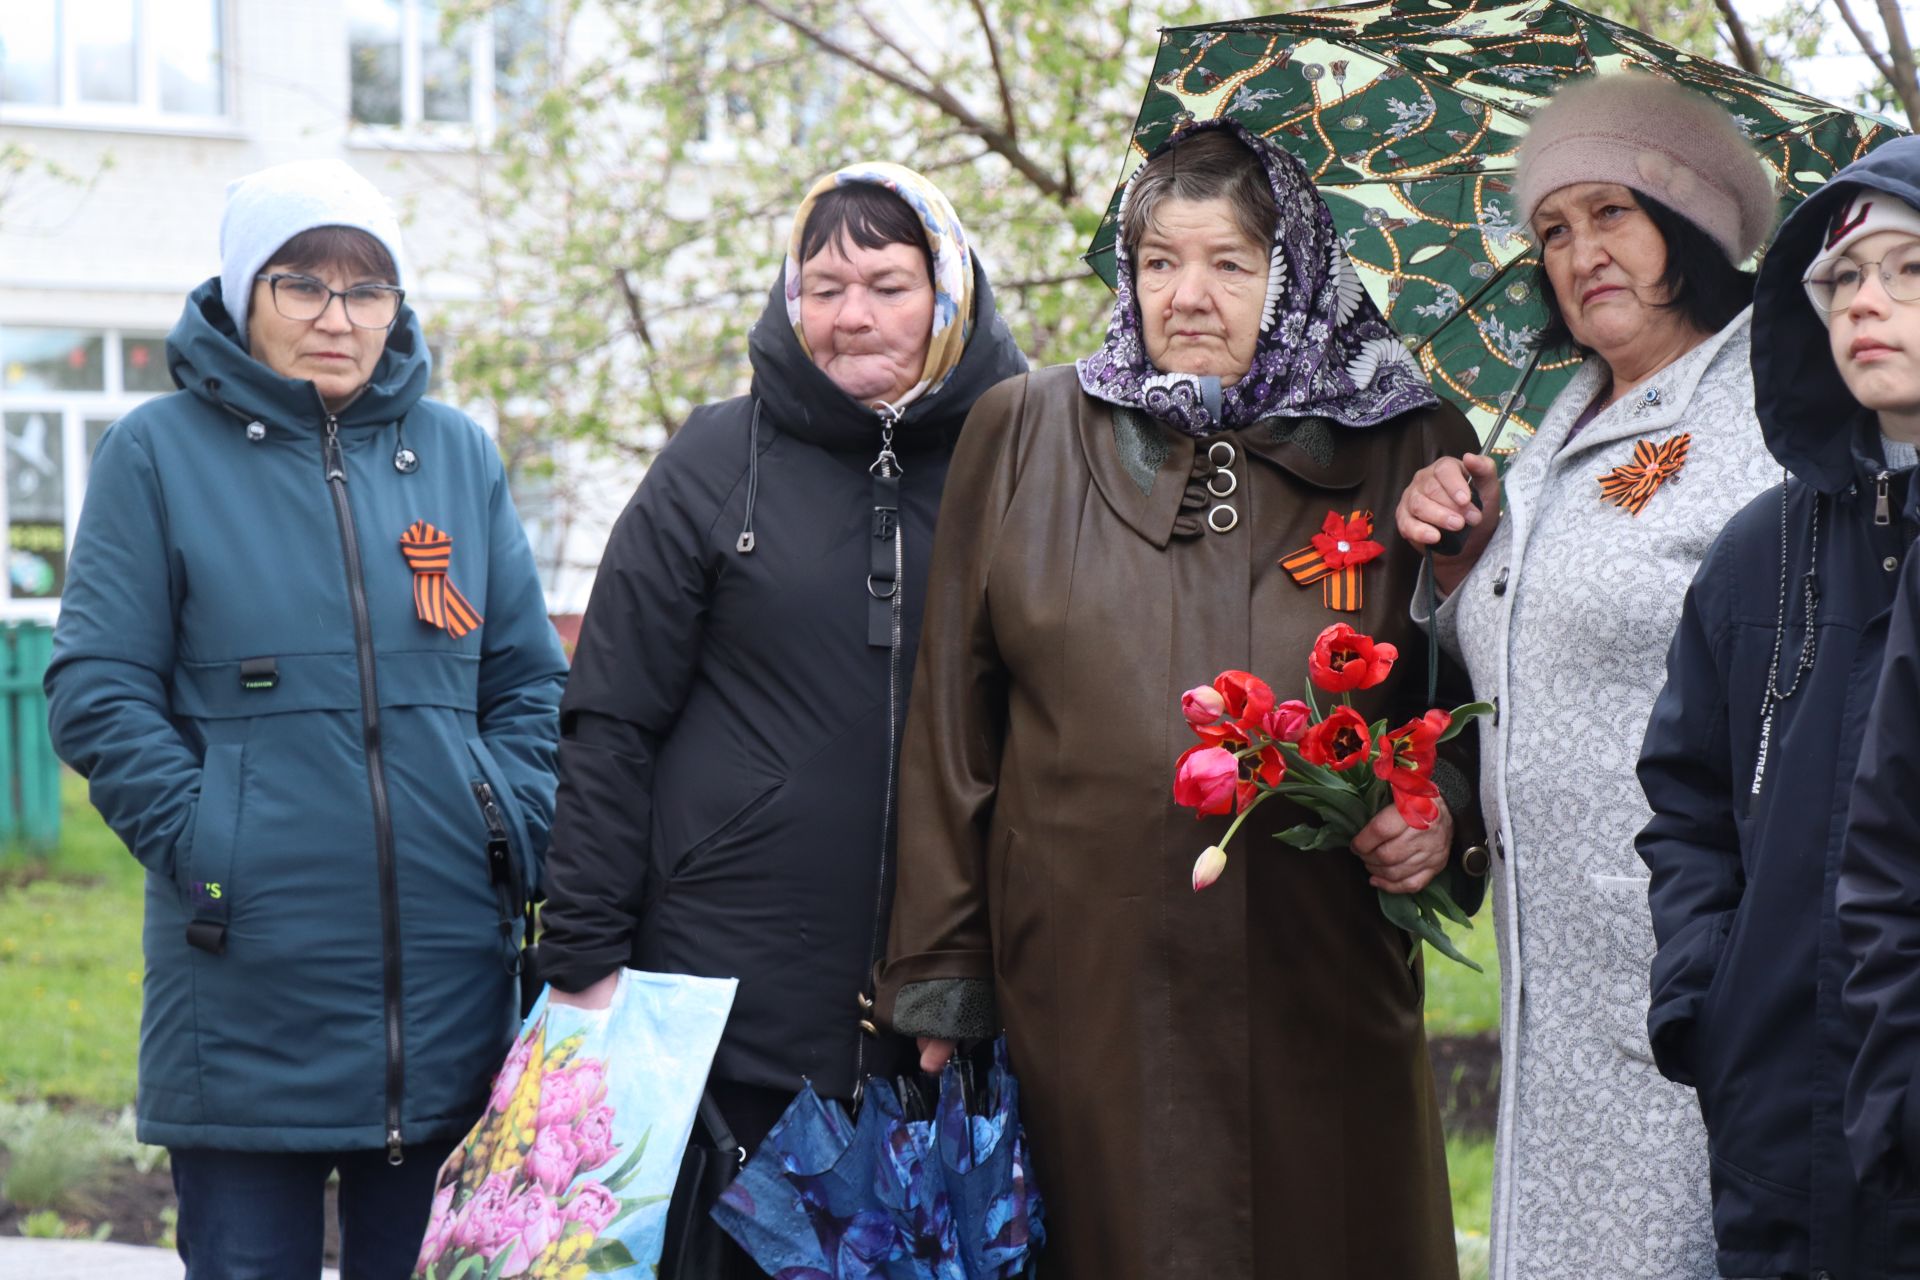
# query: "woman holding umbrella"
1642,197
1228,1084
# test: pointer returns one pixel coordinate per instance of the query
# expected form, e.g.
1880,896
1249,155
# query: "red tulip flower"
1205,779
1248,698
1406,760
1344,660
1266,767
1341,741
1286,722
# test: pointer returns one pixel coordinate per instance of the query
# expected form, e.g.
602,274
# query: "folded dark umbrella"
898,1195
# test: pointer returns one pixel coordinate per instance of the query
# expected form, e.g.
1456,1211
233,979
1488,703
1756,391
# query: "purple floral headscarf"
1324,350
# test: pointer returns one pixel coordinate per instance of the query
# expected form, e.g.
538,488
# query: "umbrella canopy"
1408,114
901,1194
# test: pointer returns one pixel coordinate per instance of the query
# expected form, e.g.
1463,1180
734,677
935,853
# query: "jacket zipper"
886,465
500,871
336,471
1882,509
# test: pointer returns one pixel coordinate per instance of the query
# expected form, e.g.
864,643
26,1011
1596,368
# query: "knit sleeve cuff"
946,1009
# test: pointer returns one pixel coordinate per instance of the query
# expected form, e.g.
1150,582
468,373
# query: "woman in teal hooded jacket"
304,661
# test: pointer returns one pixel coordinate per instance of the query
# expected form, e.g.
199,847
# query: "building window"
113,61
415,72
60,389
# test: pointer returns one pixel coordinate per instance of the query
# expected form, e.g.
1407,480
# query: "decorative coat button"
406,461
1221,453
1500,581
868,1028
1653,395
1476,861
256,432
1222,519
865,1003
1232,482
1890,563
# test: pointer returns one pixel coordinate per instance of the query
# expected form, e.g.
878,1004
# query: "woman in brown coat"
1219,1085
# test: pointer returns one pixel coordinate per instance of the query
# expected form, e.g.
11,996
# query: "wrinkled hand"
597,996
1439,500
934,1054
1400,859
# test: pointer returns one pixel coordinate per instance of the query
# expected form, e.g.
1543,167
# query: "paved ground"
76,1260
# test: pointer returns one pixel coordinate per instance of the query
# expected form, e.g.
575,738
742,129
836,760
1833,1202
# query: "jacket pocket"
712,846
1626,966
203,869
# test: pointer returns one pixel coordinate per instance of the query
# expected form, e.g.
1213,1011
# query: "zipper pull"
1882,512
336,461
394,1154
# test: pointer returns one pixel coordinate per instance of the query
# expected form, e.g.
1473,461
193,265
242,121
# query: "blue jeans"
251,1215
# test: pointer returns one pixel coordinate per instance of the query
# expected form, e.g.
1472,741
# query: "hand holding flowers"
1373,789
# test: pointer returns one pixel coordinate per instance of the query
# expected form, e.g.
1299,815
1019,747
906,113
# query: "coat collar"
1117,447
1659,404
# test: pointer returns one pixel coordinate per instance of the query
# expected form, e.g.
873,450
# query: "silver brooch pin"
256,432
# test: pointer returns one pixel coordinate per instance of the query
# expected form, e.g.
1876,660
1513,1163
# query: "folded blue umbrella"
892,1197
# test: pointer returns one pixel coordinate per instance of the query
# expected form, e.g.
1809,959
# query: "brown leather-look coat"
1220,1085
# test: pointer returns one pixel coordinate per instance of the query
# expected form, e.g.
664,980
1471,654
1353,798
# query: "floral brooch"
1334,557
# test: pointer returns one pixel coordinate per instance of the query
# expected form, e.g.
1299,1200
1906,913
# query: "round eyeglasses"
1835,283
368,306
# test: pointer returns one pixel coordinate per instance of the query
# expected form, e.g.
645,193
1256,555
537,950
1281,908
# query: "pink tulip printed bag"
569,1171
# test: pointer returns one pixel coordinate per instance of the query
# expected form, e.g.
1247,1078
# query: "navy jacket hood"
1795,383
205,357
804,401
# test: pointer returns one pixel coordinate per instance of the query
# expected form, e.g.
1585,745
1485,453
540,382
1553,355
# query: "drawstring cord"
745,545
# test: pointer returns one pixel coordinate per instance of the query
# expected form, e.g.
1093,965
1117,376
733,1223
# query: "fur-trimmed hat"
1659,139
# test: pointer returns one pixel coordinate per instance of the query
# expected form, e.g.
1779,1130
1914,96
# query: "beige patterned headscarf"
952,264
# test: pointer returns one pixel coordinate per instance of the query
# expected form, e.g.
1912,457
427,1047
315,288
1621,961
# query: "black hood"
802,400
1813,424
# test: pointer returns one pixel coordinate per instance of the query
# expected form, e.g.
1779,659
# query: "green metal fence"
29,772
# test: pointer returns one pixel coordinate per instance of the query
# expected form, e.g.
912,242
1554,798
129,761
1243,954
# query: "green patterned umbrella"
1407,114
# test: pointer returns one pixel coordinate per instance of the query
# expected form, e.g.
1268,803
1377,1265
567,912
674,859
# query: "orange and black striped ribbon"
439,603
1633,485
1339,588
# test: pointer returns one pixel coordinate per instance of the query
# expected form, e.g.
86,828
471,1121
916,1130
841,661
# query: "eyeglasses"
1835,283
368,306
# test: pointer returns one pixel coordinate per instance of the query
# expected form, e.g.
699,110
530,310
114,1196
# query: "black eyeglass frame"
273,287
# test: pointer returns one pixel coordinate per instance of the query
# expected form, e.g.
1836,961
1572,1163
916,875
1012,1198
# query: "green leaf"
609,1255
1404,911
630,1166
1313,705
1310,837
499,1266
1436,898
1462,716
469,1264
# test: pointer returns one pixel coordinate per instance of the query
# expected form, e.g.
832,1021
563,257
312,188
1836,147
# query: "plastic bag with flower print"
569,1171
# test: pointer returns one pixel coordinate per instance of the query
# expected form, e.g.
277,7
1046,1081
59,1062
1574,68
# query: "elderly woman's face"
1605,259
330,351
867,315
1202,285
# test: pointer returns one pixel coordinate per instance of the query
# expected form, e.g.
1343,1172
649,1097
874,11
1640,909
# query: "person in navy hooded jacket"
1878,899
1750,755
304,661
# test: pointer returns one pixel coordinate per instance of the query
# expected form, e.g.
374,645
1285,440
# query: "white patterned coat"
1601,1164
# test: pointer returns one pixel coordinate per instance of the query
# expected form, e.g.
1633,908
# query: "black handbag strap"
717,1128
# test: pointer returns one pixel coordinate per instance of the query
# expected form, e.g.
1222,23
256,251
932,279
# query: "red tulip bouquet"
1334,764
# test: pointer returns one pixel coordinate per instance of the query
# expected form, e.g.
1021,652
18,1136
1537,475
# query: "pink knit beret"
1651,136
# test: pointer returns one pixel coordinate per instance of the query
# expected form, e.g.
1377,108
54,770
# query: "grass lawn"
1461,1002
70,963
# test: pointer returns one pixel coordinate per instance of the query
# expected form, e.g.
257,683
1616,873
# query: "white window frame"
146,114
71,409
414,129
